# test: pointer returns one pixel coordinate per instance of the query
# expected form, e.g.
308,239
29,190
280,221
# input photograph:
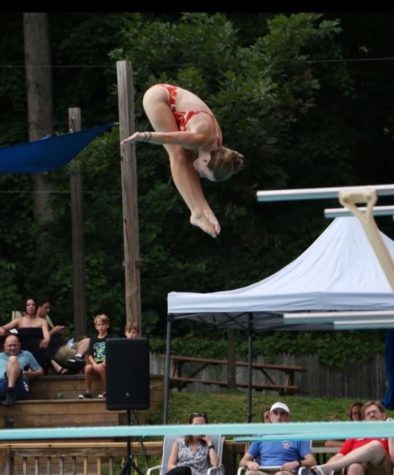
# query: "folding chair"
217,441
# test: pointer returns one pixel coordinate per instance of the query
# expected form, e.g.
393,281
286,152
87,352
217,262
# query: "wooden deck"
99,457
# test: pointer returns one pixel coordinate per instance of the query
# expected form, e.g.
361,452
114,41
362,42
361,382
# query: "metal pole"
167,370
250,357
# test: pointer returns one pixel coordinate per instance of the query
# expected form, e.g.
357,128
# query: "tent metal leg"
250,355
167,370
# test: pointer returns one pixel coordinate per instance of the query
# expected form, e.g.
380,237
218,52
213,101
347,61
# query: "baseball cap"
280,405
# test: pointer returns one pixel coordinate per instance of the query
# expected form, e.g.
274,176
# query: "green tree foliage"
336,349
13,111
258,93
284,98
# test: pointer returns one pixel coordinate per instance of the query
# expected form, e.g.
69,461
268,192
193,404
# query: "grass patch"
227,406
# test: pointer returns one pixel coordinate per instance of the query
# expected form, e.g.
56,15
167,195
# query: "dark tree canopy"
303,96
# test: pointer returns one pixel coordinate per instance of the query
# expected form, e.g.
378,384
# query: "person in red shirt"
372,454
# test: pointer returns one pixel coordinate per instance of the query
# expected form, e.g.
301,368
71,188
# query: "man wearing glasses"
16,368
280,457
365,454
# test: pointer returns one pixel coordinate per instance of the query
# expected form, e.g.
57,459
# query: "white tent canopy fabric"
339,271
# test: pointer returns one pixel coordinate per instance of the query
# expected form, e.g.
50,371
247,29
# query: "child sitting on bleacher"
96,356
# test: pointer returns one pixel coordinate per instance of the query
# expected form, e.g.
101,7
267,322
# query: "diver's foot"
201,221
212,219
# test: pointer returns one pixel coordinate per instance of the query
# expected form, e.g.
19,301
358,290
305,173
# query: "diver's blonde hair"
224,163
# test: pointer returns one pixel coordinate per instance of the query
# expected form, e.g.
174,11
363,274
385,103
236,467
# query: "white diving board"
331,213
334,316
353,320
377,324
319,193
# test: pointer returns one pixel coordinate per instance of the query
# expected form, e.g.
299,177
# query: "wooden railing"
103,457
76,458
180,379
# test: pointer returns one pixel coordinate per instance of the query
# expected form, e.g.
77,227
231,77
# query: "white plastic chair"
217,441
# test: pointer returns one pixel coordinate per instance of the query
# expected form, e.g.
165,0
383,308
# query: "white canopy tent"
339,271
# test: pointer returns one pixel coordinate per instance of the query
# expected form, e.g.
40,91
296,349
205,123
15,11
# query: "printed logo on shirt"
286,444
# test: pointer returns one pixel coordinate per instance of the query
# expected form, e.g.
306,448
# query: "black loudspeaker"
127,372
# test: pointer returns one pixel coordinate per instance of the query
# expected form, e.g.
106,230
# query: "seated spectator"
17,367
96,356
192,454
265,415
289,455
363,454
33,332
354,414
355,411
131,330
64,354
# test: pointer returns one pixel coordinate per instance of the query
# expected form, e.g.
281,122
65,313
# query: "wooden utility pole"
39,108
129,194
78,240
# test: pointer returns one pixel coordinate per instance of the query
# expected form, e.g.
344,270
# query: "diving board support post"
349,199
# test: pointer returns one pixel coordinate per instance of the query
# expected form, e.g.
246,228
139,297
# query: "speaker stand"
129,464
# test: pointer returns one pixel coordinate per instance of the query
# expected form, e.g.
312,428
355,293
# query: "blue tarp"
48,153
388,399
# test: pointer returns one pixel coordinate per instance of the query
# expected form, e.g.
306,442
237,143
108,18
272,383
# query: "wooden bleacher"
54,402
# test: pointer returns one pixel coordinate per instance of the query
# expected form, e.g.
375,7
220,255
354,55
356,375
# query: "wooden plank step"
57,413
66,413
69,386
